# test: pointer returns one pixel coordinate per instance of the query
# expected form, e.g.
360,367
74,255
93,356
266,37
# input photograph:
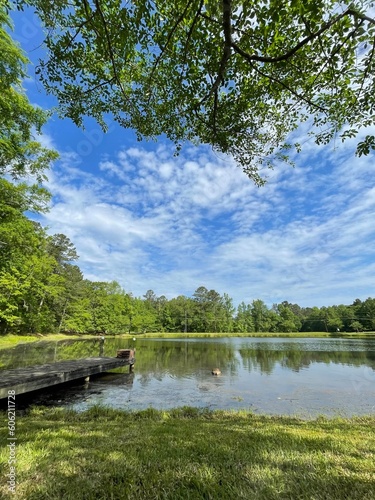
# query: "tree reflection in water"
269,375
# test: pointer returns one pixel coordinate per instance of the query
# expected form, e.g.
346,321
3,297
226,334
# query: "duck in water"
216,371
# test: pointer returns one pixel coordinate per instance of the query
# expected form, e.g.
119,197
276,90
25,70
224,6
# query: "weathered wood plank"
32,378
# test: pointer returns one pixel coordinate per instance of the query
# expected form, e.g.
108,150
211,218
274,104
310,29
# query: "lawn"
188,453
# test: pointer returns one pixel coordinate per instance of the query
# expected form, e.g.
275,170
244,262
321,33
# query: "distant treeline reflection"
181,357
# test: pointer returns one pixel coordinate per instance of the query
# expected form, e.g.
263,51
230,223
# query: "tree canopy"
239,75
27,277
20,153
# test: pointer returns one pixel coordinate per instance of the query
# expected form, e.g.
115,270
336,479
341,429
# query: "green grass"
7,341
189,453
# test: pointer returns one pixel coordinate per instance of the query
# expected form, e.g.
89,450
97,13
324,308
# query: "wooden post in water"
128,355
101,346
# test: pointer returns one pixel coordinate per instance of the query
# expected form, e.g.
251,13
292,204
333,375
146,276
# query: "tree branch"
367,67
211,19
335,50
227,27
112,56
354,13
312,36
163,49
191,29
293,92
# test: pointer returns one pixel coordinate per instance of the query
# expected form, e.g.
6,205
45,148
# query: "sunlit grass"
189,453
7,341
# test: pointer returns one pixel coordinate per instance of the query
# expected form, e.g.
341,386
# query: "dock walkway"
32,378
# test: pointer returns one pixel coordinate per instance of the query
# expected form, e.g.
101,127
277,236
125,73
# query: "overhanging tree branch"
305,41
112,57
289,89
171,33
217,71
191,30
227,51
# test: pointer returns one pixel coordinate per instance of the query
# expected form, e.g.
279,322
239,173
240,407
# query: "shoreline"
11,340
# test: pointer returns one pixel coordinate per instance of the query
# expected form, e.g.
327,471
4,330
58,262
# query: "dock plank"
31,378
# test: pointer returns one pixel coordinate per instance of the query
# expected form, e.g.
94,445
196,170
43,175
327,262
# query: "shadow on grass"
192,454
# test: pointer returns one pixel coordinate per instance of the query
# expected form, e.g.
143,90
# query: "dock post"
101,346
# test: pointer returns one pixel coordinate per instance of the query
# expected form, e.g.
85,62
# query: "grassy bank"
8,341
189,454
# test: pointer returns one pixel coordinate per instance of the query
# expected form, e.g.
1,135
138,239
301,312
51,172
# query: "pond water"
305,377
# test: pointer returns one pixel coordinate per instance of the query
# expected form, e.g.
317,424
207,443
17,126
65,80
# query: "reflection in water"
39,353
298,357
294,376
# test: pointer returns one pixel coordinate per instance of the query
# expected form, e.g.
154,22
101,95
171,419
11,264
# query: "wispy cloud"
154,221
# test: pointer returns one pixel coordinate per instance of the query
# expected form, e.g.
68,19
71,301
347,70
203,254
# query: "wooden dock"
32,378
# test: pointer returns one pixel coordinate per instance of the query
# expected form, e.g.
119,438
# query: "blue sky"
149,220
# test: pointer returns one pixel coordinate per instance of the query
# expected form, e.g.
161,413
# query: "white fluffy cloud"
154,221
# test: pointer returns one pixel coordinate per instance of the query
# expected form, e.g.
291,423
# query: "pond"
305,377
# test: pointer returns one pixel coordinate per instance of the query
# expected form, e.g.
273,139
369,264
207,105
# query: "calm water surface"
303,377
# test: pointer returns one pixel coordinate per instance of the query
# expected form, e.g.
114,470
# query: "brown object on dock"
126,354
32,378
